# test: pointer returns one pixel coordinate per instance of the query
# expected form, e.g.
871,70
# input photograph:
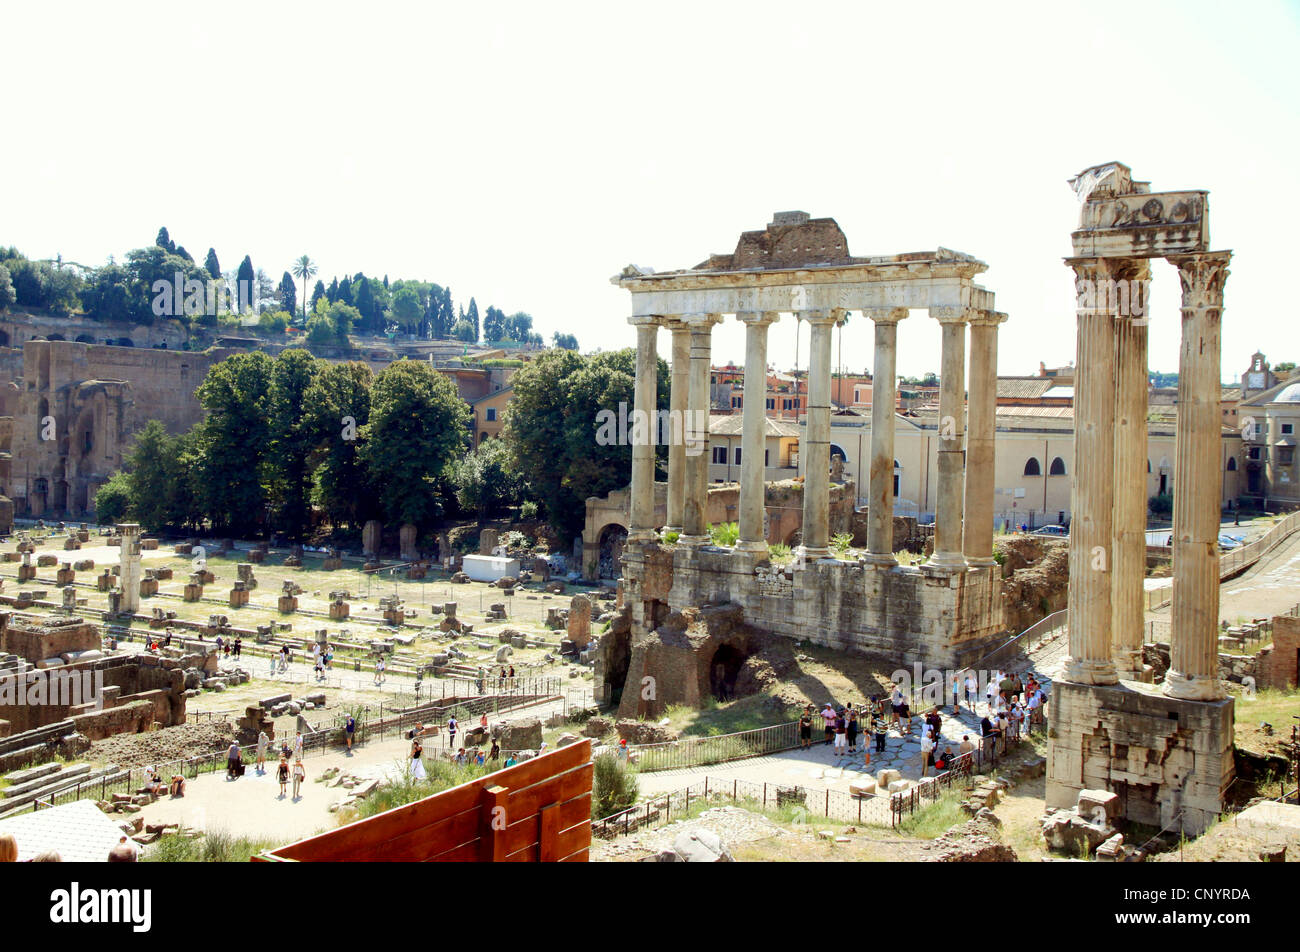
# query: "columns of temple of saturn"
952,426
884,397
753,441
641,516
977,533
817,455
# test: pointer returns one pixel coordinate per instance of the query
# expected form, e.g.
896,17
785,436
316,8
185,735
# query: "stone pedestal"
66,576
287,604
339,610
148,587
193,592
371,534
238,597
1169,760
26,573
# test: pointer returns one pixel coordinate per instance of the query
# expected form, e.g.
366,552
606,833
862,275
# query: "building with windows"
1269,423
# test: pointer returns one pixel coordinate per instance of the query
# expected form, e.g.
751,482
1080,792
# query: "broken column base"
26,573
339,611
287,604
238,598
193,593
1169,760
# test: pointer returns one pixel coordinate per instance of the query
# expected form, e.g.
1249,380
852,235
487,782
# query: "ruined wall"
1277,666
38,639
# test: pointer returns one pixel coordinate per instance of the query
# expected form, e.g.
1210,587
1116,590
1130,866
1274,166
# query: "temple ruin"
941,613
1165,751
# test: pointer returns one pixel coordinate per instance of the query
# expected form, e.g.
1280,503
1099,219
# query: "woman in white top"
262,742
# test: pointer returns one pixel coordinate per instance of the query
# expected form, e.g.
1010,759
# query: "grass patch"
217,846
405,789
936,818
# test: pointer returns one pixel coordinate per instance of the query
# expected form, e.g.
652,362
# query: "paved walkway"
252,805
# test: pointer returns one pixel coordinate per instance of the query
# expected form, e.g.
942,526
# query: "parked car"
1052,531
1228,542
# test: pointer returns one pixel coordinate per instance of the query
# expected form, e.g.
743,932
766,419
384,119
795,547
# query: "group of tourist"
506,679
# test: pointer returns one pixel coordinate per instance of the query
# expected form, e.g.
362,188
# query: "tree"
7,296
231,442
519,326
472,316
246,283
305,269
164,240
111,295
485,480
552,429
464,330
345,290
212,265
1284,368
406,309
416,429
274,322
290,440
289,293
317,293
370,321
113,499
567,341
494,325
337,409
157,478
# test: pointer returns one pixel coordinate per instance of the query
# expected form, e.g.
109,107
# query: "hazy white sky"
523,153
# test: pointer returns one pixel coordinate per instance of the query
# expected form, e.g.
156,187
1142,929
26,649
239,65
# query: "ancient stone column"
1092,488
817,454
129,572
695,527
753,440
1129,548
641,516
884,397
677,403
952,430
1194,616
977,531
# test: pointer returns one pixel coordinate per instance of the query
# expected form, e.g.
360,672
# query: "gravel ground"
170,743
732,824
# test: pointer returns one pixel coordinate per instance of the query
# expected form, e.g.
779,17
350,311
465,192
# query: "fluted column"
753,440
952,428
677,403
977,531
1092,485
817,454
642,437
1128,604
695,527
1194,616
884,397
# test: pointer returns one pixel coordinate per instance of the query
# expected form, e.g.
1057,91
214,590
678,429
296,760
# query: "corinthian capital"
1203,277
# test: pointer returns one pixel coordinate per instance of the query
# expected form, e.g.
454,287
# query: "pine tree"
288,293
345,291
472,317
164,240
213,265
246,284
333,293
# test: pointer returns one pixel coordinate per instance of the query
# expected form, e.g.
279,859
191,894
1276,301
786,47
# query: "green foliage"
1161,504
7,296
485,481
231,442
528,510
274,322
779,553
464,330
840,543
726,533
614,787
337,408
515,540
560,428
290,439
566,341
406,310
671,536
113,499
216,846
157,475
416,429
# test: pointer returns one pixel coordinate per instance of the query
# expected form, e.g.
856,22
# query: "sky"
524,153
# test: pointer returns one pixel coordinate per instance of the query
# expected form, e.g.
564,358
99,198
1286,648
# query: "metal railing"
1236,560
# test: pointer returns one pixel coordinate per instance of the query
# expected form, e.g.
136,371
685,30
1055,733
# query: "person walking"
417,760
379,671
451,731
282,774
233,762
954,688
851,729
841,735
297,746
299,775
239,645
972,690
828,724
881,727
350,730
927,751
262,743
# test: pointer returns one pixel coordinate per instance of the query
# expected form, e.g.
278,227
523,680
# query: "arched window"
1058,467
1232,464
1032,468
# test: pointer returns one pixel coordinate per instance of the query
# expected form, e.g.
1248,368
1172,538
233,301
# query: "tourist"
991,691
510,678
479,680
49,856
510,761
904,719
881,726
479,757
460,758
896,702
282,774
1015,717
219,642
966,746
988,736
451,731
805,727
935,720
297,746
154,782
350,730
239,644
496,750
123,852
1002,728
851,730
482,721
944,760
177,787
841,734
233,762
8,848
262,743
299,775
379,671
828,724
927,751
417,760
972,690
320,668
954,688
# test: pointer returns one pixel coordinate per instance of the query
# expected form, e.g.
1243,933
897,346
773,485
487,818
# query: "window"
1286,429
1254,452
1058,467
87,441
771,403
1285,454
491,414
735,403
1232,464
737,460
767,457
720,455
1032,468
